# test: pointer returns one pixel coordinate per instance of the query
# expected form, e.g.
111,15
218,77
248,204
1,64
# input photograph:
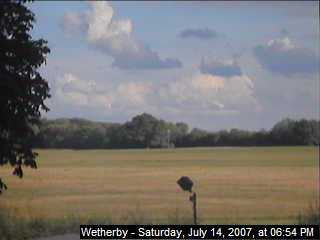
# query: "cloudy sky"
213,65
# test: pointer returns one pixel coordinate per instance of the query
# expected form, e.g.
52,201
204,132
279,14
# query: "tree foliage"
146,131
22,89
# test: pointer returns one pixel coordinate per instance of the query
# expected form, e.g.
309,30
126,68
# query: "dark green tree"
282,132
22,89
142,129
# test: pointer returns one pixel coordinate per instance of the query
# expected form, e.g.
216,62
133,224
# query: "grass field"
234,185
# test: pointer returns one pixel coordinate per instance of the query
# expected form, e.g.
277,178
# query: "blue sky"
213,65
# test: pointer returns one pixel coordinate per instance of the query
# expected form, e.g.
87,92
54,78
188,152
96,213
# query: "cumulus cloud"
204,93
114,38
220,68
197,94
200,33
283,57
70,89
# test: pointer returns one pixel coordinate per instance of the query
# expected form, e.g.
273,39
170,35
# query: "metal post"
193,199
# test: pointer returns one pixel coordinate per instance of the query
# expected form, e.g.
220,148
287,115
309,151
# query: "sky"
213,65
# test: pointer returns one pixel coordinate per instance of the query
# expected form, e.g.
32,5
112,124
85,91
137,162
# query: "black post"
193,199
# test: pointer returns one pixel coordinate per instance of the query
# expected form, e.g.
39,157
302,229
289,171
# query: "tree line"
146,131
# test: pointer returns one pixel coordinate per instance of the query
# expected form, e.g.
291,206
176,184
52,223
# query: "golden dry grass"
234,185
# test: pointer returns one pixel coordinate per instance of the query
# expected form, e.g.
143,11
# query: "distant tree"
147,131
239,137
182,128
223,138
304,133
179,134
22,89
142,129
315,125
261,138
196,137
160,134
282,132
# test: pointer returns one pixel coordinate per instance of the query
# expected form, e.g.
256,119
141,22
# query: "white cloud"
70,90
281,44
196,95
71,83
102,27
132,94
205,82
114,38
204,92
